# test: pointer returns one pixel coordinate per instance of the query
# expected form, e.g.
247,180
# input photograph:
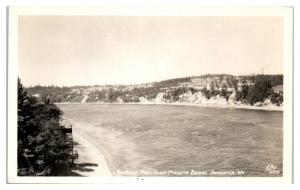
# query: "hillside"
248,89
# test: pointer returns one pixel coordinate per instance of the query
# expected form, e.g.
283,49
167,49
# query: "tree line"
42,147
261,89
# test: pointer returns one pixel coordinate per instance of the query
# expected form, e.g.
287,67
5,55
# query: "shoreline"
223,106
90,158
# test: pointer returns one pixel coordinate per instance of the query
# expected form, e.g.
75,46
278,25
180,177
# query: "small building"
36,95
67,131
278,89
208,86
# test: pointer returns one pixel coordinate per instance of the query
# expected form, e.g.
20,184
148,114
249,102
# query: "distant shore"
225,106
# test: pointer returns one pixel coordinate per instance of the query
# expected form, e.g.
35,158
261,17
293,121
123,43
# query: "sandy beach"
91,161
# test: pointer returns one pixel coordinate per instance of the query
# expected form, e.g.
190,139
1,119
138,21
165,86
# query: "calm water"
181,138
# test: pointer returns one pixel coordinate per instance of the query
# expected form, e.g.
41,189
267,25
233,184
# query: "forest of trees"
261,90
42,148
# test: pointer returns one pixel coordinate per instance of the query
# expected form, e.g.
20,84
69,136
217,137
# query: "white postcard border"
285,12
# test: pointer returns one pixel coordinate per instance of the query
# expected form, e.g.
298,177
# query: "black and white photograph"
180,94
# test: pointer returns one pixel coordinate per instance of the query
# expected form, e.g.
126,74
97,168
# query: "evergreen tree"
42,147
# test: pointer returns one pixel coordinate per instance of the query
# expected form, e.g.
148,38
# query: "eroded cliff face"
189,97
199,98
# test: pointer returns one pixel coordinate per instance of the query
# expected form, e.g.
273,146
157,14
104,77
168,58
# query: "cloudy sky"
88,50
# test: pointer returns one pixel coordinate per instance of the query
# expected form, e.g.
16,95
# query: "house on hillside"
185,85
239,86
246,82
36,95
208,86
198,83
76,91
229,89
278,89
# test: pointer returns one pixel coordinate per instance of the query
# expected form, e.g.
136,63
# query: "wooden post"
72,146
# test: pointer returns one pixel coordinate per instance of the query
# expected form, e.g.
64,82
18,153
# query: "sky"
89,50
